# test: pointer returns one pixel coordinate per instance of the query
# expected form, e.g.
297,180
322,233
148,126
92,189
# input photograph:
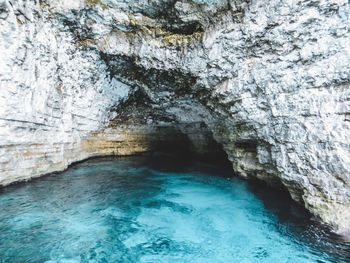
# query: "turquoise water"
156,210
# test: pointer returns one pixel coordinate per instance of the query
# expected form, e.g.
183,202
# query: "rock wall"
270,79
58,96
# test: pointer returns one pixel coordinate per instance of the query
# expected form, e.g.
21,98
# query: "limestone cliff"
269,80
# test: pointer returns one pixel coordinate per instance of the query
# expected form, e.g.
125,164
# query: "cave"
196,121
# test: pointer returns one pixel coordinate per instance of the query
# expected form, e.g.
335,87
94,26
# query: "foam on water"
137,210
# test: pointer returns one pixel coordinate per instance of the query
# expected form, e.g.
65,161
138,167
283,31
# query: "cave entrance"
189,141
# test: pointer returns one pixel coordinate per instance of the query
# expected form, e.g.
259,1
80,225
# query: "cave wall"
51,93
268,79
58,96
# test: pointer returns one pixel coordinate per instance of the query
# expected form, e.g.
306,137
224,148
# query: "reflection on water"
155,210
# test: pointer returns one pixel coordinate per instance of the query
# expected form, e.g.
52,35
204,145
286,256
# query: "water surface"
156,210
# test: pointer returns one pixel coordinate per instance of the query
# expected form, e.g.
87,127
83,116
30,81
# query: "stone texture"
269,79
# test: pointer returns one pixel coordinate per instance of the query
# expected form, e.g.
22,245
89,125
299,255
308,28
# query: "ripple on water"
140,210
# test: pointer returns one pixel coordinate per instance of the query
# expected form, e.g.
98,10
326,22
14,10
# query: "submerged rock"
268,80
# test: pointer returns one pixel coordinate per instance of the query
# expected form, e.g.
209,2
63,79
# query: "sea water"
156,210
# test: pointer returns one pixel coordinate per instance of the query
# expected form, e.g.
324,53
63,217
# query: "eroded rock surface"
268,79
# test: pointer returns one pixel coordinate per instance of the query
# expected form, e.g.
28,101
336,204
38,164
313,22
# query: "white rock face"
270,79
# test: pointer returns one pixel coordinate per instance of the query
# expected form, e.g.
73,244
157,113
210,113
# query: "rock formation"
268,80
